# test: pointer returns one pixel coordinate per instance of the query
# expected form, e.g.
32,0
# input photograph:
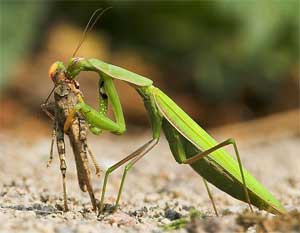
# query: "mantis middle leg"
156,123
134,157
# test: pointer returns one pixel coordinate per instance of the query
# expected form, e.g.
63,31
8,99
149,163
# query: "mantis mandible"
189,143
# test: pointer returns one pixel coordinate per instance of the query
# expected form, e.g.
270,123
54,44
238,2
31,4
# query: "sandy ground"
157,191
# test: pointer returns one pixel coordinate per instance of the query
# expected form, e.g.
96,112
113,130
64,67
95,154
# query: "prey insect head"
57,72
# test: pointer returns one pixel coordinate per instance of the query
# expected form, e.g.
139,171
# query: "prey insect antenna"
90,26
49,95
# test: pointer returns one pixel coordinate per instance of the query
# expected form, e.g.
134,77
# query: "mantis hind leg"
181,149
210,196
218,146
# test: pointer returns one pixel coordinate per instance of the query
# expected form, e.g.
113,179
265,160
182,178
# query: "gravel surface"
157,191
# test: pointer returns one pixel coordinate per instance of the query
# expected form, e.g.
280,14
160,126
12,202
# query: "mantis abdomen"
176,125
208,168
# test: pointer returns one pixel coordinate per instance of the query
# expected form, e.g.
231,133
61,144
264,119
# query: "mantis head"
75,66
57,72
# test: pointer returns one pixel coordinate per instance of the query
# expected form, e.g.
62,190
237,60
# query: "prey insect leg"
46,107
51,147
83,168
63,166
97,167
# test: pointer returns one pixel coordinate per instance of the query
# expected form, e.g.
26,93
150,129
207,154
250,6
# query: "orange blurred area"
29,85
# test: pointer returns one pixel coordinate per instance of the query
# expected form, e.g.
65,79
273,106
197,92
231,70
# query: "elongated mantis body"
189,143
66,98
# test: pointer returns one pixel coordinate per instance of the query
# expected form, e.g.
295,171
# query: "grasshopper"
189,143
66,95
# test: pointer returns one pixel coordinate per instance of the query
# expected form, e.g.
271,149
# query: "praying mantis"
188,142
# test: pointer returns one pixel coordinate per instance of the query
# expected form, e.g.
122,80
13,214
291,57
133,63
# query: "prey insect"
67,95
189,143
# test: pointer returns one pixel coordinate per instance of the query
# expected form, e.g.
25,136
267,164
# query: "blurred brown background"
223,62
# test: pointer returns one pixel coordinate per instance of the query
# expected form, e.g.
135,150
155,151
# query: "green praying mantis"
189,143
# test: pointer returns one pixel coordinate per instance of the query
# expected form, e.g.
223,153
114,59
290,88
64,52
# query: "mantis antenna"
97,13
87,29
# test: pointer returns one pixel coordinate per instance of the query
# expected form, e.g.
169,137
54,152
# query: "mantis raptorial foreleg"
63,166
99,120
220,145
134,156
